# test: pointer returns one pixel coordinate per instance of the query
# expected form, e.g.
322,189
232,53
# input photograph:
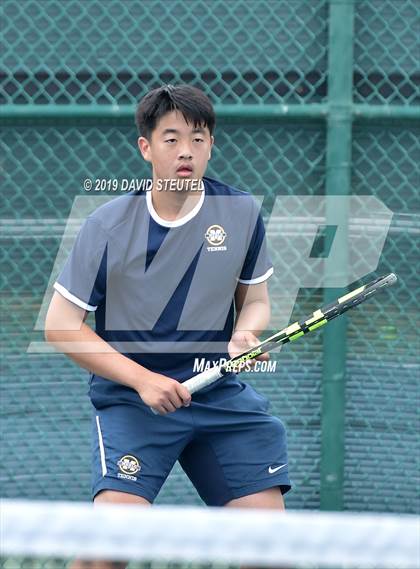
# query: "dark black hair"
194,105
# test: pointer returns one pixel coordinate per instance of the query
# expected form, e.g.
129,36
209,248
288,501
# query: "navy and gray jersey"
163,291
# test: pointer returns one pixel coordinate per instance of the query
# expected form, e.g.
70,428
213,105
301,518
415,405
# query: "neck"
173,204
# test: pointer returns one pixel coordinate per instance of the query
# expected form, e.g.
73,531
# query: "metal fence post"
339,133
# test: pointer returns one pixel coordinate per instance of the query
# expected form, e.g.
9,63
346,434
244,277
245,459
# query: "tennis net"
49,535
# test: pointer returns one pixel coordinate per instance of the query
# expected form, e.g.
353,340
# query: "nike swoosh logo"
272,470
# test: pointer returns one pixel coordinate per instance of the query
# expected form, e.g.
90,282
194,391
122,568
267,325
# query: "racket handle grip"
203,379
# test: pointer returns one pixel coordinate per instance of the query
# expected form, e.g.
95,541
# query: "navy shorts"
226,442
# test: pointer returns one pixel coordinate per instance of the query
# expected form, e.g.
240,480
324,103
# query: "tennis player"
177,279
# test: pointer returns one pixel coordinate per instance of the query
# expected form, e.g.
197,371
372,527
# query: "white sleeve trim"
64,292
257,280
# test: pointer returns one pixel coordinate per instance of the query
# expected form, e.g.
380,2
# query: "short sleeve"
83,278
257,266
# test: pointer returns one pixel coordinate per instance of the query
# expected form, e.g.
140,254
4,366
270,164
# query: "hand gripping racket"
292,332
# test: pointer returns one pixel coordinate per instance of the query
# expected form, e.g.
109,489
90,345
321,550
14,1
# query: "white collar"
176,222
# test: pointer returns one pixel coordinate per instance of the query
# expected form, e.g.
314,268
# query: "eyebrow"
175,131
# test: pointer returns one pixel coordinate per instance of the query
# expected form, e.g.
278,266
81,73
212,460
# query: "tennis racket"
292,332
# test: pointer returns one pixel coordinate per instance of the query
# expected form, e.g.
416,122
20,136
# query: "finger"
184,395
166,407
234,351
172,404
263,357
163,409
251,340
175,400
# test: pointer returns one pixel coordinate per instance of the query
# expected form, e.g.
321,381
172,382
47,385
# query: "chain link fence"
110,52
71,74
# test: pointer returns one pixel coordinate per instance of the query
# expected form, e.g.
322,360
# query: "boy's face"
176,149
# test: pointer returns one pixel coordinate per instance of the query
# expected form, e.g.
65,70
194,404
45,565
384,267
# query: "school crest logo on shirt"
215,236
129,465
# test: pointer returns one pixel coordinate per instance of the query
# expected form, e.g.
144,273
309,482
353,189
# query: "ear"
211,145
144,147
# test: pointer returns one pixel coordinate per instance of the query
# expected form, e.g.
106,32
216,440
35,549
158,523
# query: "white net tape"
214,535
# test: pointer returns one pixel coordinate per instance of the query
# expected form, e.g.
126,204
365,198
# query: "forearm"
253,317
91,352
80,343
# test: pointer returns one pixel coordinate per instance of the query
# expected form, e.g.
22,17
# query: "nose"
185,152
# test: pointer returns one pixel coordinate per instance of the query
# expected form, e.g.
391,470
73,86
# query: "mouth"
184,170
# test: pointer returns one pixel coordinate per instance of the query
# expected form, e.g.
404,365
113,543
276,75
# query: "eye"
170,140
198,139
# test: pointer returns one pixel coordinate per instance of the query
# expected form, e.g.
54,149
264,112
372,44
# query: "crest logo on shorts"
129,465
215,236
